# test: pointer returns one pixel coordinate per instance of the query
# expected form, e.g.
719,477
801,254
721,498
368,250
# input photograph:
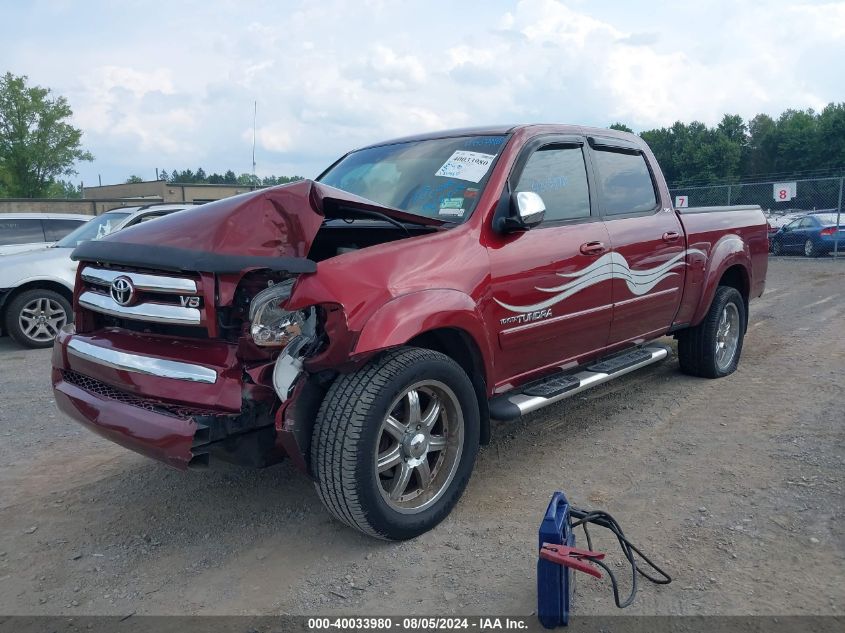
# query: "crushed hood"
276,222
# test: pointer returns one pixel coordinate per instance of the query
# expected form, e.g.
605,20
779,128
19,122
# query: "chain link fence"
783,202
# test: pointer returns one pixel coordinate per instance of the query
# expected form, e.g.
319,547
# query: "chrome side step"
511,405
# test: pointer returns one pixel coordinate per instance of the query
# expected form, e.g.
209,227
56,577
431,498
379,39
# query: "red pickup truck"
368,324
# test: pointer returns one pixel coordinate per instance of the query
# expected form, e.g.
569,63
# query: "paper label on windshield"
471,166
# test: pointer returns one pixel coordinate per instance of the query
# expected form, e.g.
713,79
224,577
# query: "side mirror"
527,210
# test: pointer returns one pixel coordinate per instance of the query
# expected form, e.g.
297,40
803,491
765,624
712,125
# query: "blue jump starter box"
555,583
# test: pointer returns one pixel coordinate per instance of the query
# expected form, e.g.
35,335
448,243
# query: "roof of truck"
498,130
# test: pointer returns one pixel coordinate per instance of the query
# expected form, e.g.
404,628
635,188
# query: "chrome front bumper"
140,364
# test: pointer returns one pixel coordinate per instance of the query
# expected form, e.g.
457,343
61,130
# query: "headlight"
270,324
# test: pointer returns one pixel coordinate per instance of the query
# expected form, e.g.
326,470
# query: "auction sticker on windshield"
471,166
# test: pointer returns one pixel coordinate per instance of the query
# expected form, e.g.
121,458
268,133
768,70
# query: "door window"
559,175
16,231
55,229
625,182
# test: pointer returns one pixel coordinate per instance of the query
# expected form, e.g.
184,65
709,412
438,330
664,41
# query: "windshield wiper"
362,214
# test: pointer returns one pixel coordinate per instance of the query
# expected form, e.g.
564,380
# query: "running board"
542,393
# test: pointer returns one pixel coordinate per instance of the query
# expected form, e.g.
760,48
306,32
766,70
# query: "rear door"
647,242
551,301
17,234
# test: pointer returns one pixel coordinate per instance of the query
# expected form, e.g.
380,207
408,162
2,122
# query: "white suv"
36,287
20,232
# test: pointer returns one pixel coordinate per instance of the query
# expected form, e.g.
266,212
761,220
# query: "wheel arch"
36,284
728,264
443,320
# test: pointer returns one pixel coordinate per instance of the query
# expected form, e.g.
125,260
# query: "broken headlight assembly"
270,324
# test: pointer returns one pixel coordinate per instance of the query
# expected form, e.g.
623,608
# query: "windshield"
93,230
439,178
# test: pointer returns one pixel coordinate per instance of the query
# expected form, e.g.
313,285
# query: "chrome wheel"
41,319
808,248
727,336
419,446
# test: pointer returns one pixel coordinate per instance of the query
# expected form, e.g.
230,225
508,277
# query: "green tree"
37,144
133,179
797,134
762,145
830,142
64,189
621,127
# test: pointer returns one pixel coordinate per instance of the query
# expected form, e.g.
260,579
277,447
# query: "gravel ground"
726,482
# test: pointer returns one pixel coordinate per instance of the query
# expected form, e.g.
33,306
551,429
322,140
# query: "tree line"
798,143
188,176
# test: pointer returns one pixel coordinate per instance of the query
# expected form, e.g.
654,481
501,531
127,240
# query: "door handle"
671,236
592,248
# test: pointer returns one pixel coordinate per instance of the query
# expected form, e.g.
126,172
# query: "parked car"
36,287
813,235
20,232
369,324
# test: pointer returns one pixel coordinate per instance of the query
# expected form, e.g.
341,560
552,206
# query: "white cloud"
333,75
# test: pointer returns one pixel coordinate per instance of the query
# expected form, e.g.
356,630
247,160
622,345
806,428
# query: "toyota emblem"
122,291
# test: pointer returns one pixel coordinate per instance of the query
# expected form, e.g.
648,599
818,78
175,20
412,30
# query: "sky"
172,84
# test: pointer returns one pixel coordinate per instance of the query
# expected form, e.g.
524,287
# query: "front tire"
34,317
395,442
777,249
713,347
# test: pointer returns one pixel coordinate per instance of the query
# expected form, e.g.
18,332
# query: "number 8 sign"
784,191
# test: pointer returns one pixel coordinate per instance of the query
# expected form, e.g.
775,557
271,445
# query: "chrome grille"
103,390
154,298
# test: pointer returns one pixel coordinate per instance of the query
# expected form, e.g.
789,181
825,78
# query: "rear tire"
34,317
810,249
394,443
713,347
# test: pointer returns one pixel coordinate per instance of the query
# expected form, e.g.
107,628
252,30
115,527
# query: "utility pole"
254,118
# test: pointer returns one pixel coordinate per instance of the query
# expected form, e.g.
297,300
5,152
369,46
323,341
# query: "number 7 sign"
681,202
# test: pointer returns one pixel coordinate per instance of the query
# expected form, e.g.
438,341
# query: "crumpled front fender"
407,316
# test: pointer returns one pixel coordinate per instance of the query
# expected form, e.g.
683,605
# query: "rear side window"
625,182
20,231
558,174
56,229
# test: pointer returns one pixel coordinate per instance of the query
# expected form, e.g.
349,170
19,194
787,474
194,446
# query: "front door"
649,256
799,234
551,297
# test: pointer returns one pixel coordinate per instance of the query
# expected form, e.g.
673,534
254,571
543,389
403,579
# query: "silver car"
36,287
21,232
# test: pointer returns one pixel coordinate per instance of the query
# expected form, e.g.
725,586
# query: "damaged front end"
198,357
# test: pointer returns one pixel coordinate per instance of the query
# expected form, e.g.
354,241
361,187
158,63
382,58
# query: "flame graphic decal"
609,266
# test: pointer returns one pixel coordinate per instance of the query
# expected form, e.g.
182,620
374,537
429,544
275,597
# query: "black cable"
603,519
